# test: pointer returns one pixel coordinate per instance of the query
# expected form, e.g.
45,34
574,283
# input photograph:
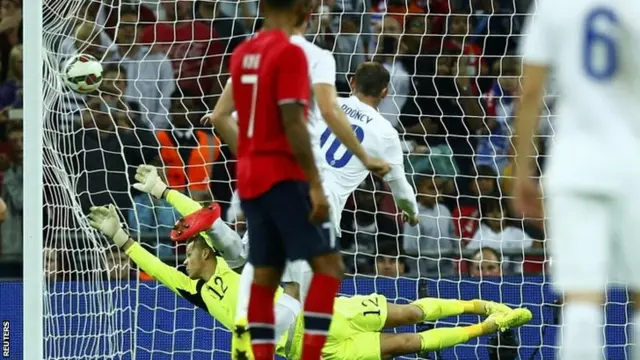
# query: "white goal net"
454,79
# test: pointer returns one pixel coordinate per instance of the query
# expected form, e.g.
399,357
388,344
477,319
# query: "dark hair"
281,4
371,78
387,246
306,11
488,205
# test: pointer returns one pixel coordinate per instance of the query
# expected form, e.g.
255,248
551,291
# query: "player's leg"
328,270
392,345
355,328
431,309
315,243
267,254
580,228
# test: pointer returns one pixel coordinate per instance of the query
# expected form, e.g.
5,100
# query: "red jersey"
266,71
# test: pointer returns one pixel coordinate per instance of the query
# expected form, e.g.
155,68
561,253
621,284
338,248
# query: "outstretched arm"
295,127
218,235
170,277
403,193
105,219
538,50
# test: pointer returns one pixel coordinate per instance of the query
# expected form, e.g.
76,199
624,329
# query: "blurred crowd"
454,84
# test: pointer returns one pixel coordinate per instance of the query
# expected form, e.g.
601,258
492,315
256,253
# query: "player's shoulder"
385,129
313,51
374,120
265,39
552,11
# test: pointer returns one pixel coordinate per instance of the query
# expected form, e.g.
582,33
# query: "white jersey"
344,172
591,48
322,70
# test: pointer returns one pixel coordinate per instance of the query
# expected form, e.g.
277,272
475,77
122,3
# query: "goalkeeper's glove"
105,219
149,182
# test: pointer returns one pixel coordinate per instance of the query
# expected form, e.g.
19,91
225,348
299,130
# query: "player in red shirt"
278,182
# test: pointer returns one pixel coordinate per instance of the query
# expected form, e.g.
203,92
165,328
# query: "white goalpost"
33,299
85,301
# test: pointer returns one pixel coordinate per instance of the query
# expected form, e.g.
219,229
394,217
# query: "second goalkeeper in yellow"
356,330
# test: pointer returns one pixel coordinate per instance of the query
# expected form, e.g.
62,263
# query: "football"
83,73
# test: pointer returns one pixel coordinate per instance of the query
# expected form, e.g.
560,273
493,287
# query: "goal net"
454,78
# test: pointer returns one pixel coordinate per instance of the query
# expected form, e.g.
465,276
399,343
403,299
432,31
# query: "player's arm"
293,95
148,181
326,96
222,118
537,49
295,128
402,191
533,83
218,235
105,219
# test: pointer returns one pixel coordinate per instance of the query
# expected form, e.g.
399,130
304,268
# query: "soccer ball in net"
83,73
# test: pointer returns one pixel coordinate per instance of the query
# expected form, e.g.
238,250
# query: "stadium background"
454,82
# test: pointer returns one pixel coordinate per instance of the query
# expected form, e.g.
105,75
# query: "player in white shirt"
343,173
322,74
591,47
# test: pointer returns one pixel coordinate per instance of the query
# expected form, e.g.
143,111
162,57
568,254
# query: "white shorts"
298,272
593,241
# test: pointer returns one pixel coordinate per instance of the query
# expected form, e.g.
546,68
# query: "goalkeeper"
221,237
356,331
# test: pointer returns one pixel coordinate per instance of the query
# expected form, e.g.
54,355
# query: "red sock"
318,310
261,322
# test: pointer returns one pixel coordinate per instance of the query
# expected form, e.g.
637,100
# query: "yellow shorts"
355,328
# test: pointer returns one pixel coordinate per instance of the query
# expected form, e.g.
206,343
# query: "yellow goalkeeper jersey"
218,296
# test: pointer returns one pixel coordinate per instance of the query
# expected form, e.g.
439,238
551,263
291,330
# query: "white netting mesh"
164,62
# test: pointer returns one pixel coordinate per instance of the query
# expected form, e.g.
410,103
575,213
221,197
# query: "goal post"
33,65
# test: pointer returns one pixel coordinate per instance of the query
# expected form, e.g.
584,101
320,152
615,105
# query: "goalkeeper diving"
356,330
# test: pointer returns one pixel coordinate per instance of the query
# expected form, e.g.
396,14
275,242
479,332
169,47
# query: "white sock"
581,332
636,334
244,291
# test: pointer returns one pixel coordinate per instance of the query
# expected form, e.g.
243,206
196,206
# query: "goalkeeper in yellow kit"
356,330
